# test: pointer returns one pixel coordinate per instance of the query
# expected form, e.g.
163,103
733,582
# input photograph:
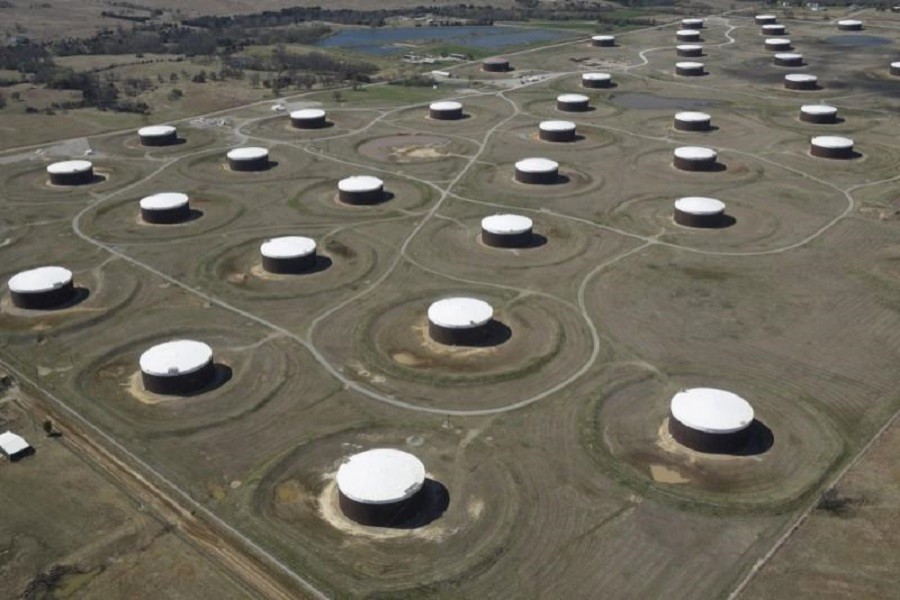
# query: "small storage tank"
308,118
695,158
831,146
179,367
689,69
165,208
460,321
778,44
507,231
288,255
557,131
818,113
766,19
692,121
158,135
774,30
788,59
537,170
603,41
496,64
850,25
361,189
248,159
573,102
381,487
895,68
710,420
801,81
692,23
689,50
596,80
446,110
42,288
71,172
701,212
687,35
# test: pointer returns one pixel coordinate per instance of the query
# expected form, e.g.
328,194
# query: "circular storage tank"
831,146
445,111
41,288
849,25
460,321
381,487
178,367
694,158
692,121
603,41
689,50
895,68
818,113
557,131
692,23
710,420
288,255
774,29
71,172
697,211
496,64
687,35
308,118
766,19
778,44
158,135
537,170
507,231
572,102
361,189
801,81
165,208
248,159
689,69
596,80
788,59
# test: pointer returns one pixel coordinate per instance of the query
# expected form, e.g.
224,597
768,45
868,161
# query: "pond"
858,41
398,40
641,101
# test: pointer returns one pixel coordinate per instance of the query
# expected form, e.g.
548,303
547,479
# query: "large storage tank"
710,420
178,367
381,487
42,288
460,321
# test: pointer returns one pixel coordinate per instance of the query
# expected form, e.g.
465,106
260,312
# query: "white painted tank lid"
506,224
689,65
39,280
711,410
850,22
164,201
573,98
596,77
800,77
692,116
699,205
537,165
307,113
818,109
156,131
448,105
289,246
177,357
789,56
460,313
557,126
68,167
248,153
695,153
832,141
360,183
380,476
603,38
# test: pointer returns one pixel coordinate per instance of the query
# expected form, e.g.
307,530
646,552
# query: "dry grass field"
552,446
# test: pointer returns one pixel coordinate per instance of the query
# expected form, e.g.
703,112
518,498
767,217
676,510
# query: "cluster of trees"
303,69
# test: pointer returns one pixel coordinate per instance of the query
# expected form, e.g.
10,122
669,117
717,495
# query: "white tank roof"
380,476
689,65
448,105
248,153
68,167
289,246
496,59
460,313
156,131
711,410
895,65
603,38
596,77
178,357
506,224
537,165
692,21
699,205
800,77
778,42
164,201
556,126
773,27
695,153
572,98
307,113
692,116
687,32
832,141
818,109
766,17
41,279
360,183
849,22
789,56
